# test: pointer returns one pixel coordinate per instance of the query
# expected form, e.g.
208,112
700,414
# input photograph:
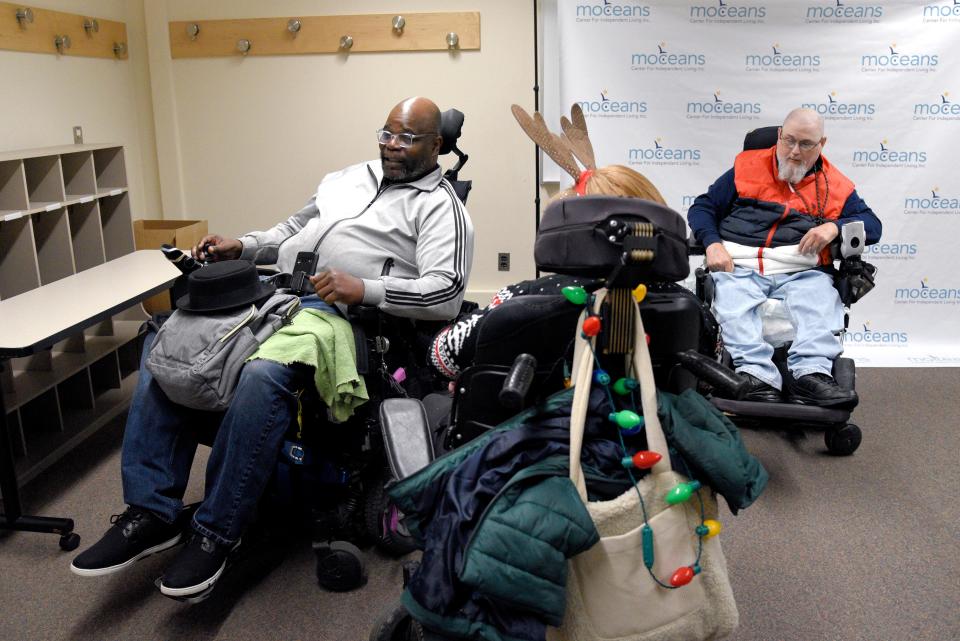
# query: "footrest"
788,411
406,435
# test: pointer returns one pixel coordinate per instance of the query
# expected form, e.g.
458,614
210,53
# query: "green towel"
325,342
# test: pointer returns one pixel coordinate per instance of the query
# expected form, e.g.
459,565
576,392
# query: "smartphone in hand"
304,267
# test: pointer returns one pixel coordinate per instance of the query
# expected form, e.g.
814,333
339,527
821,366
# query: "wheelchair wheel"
340,567
843,440
382,522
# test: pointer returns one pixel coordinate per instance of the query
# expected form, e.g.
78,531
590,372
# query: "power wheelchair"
854,279
525,344
329,478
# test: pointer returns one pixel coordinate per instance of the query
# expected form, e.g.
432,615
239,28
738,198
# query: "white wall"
44,96
243,142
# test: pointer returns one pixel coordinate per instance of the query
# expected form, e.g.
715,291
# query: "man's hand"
818,238
718,258
336,286
214,248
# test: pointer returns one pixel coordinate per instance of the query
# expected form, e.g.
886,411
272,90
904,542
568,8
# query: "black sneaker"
759,391
196,568
821,390
135,535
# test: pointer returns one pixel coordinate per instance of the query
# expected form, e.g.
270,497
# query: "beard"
405,168
792,172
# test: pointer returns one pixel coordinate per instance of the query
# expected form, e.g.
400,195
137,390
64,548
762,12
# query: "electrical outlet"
503,261
78,135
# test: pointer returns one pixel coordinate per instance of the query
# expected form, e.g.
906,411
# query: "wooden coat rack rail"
24,28
325,34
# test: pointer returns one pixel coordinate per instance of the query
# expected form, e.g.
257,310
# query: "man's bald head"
418,110
420,117
807,118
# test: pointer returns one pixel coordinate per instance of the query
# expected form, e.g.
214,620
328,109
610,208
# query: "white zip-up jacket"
355,224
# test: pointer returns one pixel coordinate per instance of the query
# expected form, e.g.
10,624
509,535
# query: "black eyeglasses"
404,140
805,145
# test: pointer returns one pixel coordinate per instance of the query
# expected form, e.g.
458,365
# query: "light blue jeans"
812,304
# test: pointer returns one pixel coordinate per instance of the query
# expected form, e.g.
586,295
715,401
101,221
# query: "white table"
35,320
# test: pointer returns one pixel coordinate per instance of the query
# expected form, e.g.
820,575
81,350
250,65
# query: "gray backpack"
196,358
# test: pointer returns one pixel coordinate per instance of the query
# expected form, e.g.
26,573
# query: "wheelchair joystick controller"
518,381
184,262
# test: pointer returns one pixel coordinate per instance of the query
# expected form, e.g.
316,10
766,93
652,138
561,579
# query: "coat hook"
62,43
398,24
119,49
453,40
346,42
293,25
193,30
243,46
24,16
91,26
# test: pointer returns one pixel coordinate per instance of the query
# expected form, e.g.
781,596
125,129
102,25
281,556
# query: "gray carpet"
836,549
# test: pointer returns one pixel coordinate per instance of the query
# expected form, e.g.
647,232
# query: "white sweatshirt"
355,225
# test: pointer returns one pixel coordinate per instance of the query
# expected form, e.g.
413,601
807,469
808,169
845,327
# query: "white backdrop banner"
670,89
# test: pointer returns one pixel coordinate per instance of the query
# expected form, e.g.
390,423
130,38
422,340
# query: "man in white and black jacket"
399,209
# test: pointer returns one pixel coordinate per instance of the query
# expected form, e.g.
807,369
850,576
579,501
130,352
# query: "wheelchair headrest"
594,235
451,123
761,138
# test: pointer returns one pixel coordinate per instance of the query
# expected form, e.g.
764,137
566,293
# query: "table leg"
13,517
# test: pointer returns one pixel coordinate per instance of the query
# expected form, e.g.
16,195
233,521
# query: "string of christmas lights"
629,423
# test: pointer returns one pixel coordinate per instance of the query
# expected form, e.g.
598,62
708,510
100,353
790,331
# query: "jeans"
160,442
810,301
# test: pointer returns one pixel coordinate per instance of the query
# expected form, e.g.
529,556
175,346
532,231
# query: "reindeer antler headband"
574,142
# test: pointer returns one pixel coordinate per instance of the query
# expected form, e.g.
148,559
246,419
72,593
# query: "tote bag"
611,595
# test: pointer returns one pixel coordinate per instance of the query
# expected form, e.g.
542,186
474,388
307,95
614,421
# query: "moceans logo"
661,154
886,156
608,11
861,13
833,109
777,60
941,12
942,109
870,337
728,13
927,295
897,61
665,59
935,204
891,251
607,107
721,109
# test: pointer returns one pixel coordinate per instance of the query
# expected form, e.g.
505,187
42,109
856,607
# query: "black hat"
223,286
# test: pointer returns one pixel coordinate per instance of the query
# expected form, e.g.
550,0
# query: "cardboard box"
150,234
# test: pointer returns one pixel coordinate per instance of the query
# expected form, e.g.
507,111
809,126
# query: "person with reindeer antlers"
454,346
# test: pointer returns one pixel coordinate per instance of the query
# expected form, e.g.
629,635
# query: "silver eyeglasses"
404,140
805,145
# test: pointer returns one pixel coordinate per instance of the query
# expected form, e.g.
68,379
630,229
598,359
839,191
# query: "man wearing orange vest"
766,225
